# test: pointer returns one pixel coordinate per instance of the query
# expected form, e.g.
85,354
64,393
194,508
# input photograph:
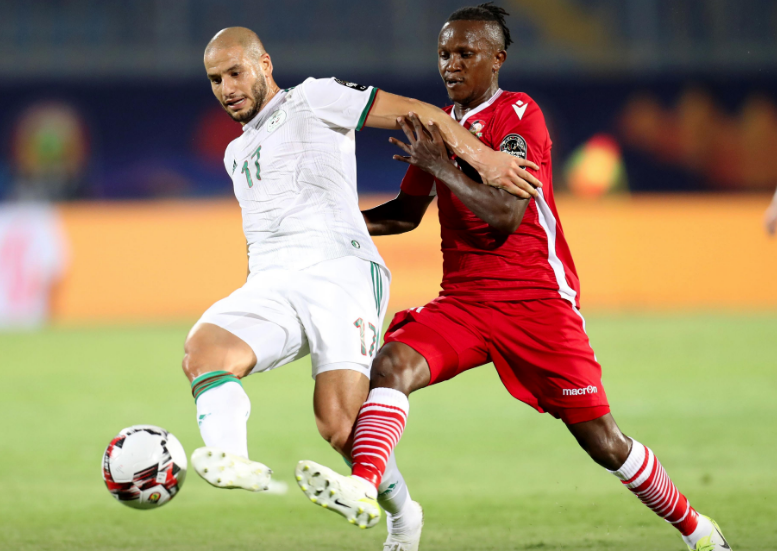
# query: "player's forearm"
387,219
389,107
497,208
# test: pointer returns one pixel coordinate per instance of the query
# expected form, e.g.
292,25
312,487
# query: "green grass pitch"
491,473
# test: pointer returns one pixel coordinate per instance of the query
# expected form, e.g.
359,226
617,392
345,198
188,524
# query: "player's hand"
508,173
425,148
770,218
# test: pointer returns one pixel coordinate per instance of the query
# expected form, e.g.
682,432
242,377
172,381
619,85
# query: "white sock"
392,492
222,413
394,498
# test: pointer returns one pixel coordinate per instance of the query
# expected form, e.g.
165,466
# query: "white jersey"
294,174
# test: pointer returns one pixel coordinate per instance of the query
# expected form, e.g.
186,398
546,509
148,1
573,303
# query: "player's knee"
193,359
204,352
391,369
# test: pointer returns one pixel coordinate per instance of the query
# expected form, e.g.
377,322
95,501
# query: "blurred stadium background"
115,212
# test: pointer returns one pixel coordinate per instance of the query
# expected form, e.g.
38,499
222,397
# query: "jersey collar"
477,109
261,116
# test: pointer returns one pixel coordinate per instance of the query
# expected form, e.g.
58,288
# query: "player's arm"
402,214
500,170
426,150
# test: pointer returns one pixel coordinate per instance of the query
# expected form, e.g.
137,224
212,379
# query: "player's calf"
639,470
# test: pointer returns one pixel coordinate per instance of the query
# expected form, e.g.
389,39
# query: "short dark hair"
485,12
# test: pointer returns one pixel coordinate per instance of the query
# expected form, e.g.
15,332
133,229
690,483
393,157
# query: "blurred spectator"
32,260
770,217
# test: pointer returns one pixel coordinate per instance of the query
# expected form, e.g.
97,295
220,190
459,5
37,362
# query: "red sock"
379,427
643,474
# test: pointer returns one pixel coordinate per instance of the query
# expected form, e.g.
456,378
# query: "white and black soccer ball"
144,466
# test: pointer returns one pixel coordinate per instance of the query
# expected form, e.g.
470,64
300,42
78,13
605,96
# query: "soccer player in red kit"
510,292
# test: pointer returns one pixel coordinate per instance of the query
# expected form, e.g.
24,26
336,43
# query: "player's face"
468,59
237,81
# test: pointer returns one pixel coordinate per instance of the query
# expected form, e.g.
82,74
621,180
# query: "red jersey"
479,262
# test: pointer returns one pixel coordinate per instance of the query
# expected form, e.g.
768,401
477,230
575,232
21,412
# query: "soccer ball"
144,467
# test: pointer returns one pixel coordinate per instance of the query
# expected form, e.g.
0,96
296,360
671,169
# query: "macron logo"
520,108
590,389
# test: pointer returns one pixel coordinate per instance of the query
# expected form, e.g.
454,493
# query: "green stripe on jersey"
367,109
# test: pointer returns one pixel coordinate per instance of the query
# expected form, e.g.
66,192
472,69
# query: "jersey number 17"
247,171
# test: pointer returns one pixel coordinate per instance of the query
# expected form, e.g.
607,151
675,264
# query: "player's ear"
266,63
499,59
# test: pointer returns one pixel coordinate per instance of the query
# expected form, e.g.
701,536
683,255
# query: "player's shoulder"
313,83
518,112
519,102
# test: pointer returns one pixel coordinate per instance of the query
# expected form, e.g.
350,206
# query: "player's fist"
503,171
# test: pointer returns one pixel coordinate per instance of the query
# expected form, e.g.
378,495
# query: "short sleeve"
338,102
520,130
230,164
419,183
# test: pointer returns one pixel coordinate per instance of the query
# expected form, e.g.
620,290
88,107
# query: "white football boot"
226,470
713,539
408,536
352,497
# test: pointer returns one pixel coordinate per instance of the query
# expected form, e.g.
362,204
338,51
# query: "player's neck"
272,91
461,109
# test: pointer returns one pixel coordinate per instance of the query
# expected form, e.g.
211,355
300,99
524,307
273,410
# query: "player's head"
240,72
471,49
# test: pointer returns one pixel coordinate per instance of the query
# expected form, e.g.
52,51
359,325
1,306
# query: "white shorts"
332,310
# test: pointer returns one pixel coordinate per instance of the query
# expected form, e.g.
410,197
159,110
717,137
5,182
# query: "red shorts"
539,347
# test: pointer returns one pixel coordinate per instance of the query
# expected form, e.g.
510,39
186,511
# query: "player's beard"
258,93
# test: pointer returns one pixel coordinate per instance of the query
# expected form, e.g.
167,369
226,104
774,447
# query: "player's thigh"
544,358
450,336
341,304
258,316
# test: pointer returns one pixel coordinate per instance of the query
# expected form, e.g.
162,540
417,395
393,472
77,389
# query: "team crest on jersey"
277,119
353,85
477,128
515,145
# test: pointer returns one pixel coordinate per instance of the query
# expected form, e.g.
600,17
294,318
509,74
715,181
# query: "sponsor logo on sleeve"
515,145
234,166
353,85
590,389
520,109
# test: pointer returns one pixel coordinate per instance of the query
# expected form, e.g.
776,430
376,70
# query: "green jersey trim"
367,109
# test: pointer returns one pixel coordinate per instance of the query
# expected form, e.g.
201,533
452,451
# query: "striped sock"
379,427
643,474
212,379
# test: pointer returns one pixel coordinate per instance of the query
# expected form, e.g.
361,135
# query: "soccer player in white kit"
316,282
